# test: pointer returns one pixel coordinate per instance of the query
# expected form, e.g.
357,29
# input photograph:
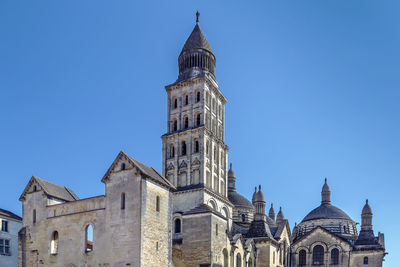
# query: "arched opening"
196,146
175,103
213,205
302,257
175,125
318,255
89,238
243,217
177,226
335,256
183,148
225,257
250,264
186,100
158,203
186,122
54,243
365,260
238,260
198,119
122,201
198,97
34,216
34,188
123,166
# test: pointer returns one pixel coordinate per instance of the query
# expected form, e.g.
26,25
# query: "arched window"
122,201
273,257
54,243
186,122
250,263
238,260
335,256
186,99
215,154
183,148
123,166
196,146
208,147
302,257
175,125
198,97
89,238
225,257
158,203
318,255
198,119
177,226
34,188
243,217
34,216
171,151
366,260
175,103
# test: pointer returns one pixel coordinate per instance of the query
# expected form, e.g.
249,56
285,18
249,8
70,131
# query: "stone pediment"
196,161
183,165
171,167
320,234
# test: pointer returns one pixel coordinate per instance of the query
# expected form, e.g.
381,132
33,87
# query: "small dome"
271,212
367,209
239,201
258,196
326,211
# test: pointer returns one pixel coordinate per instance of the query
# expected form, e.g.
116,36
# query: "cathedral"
189,214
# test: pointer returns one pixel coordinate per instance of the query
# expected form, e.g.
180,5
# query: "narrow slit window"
158,203
122,201
34,216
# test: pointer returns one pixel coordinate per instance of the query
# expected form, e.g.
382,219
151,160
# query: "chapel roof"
197,40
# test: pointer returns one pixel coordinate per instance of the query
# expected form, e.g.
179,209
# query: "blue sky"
312,89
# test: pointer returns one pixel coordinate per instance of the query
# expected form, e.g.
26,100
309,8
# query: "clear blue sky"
312,89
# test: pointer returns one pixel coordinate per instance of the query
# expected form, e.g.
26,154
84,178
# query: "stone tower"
194,151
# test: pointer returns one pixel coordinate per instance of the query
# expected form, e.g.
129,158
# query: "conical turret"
366,217
231,179
196,58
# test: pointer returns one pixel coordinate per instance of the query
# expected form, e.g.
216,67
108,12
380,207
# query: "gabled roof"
280,228
147,171
9,214
50,189
203,208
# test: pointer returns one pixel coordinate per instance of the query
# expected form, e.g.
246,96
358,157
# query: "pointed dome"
231,173
196,58
271,212
259,196
367,209
326,193
280,217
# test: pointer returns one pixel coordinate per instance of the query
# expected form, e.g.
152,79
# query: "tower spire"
197,16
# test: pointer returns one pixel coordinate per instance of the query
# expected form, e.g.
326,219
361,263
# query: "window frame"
4,226
318,255
5,244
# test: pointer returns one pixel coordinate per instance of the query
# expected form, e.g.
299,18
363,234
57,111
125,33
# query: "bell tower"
194,151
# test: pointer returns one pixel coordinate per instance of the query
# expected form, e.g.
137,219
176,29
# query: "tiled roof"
57,191
239,201
326,211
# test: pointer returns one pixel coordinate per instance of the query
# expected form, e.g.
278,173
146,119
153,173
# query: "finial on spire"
366,201
259,187
326,180
230,165
197,16
255,189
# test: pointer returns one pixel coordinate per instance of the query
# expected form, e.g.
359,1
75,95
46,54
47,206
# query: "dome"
239,201
258,196
326,211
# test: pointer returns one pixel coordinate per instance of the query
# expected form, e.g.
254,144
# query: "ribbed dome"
326,211
239,201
